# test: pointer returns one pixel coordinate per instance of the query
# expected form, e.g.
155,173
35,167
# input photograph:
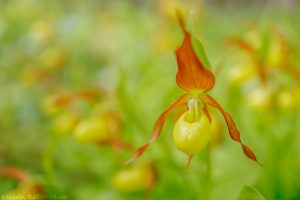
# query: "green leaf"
199,50
250,193
197,45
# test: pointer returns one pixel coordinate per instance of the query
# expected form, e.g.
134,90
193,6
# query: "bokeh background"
83,81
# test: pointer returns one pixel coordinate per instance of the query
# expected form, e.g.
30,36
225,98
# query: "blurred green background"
82,83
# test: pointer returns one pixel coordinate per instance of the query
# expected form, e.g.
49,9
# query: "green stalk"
208,177
48,161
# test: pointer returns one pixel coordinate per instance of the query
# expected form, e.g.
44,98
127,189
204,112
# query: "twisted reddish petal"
67,99
242,44
252,52
191,74
85,95
233,131
14,173
117,144
158,127
23,178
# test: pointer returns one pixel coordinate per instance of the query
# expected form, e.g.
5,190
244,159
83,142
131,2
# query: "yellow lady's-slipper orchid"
191,131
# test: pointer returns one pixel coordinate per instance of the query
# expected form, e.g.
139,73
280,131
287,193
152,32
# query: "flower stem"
208,180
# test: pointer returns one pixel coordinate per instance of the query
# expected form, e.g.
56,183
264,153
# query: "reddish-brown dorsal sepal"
192,75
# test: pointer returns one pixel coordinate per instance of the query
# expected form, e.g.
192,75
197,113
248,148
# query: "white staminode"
193,105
